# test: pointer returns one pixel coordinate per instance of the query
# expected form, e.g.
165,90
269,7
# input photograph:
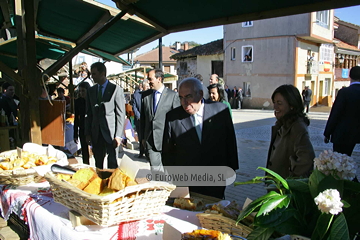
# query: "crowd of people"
193,125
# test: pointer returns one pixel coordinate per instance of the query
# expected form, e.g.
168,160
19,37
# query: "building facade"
261,55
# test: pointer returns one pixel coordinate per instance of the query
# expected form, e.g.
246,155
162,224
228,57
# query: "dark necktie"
100,94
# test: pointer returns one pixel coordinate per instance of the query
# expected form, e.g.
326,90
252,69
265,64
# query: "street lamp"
341,59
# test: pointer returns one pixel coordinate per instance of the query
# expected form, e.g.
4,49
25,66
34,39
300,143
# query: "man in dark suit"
343,125
105,117
212,143
306,94
137,109
156,102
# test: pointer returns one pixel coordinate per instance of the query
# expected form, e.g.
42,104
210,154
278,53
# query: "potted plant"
324,206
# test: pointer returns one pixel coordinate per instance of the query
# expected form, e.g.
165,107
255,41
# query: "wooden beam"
133,10
68,56
106,17
10,73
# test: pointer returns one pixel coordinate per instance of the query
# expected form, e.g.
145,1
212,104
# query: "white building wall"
204,66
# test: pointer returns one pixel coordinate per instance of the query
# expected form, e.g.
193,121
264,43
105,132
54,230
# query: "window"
233,55
247,24
247,53
217,68
183,68
326,86
246,89
81,59
322,18
326,52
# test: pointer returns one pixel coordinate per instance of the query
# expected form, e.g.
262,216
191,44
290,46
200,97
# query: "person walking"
306,94
156,102
105,117
343,125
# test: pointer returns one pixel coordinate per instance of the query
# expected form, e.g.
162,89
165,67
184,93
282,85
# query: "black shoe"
140,156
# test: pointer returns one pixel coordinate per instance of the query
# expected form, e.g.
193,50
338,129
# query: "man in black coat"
343,125
137,110
306,94
214,144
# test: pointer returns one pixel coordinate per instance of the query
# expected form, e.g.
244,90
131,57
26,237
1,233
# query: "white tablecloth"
50,220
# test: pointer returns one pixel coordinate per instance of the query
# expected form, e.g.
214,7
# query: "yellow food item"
106,191
117,180
27,160
95,186
205,234
76,183
6,165
85,175
188,203
62,176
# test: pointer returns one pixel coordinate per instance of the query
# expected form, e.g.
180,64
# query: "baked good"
76,183
205,234
62,176
106,191
191,204
6,165
85,175
95,186
117,180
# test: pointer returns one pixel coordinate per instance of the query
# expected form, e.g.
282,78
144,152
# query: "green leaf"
260,233
273,203
277,217
329,182
255,205
346,204
352,186
315,178
339,229
299,184
322,226
277,176
248,182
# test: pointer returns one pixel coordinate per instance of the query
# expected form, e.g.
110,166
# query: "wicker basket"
133,203
224,224
21,177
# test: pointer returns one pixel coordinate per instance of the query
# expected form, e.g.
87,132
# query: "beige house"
205,59
262,55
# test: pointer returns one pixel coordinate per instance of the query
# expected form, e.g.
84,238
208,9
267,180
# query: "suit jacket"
137,104
291,153
307,95
343,125
152,124
205,92
107,117
80,113
181,145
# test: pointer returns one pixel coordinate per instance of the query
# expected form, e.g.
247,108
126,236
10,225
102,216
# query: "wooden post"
71,88
30,92
160,55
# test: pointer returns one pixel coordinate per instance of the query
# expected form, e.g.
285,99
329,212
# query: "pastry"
203,234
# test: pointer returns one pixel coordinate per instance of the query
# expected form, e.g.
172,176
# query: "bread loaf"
188,203
85,175
95,186
117,180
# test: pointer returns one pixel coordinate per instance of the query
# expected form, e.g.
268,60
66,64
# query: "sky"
206,35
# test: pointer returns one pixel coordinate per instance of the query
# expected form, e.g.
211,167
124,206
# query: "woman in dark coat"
291,153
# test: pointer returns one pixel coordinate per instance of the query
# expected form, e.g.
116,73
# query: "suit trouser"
215,191
344,148
84,147
306,105
155,160
141,146
100,148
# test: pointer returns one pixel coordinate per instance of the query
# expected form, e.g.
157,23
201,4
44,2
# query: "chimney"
177,45
186,46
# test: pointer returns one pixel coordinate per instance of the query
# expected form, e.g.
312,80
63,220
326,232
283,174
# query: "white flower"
337,164
329,201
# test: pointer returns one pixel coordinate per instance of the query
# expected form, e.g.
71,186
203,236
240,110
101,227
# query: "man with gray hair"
199,134
343,125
